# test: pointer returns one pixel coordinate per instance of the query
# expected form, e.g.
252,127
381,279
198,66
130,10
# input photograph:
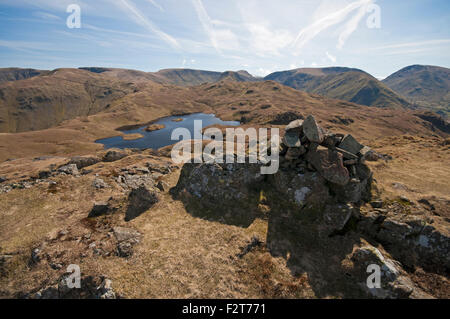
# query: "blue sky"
261,36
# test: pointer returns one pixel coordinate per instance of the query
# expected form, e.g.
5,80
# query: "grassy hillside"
347,84
423,85
45,101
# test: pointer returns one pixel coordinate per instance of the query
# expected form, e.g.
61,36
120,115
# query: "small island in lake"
155,127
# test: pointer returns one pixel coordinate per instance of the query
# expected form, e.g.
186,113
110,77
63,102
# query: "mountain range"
423,85
37,99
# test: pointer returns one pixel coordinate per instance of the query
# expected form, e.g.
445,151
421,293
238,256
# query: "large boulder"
412,239
394,281
140,200
70,169
114,155
235,186
84,161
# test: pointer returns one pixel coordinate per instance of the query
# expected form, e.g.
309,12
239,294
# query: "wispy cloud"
140,19
29,46
220,38
310,32
413,44
46,16
331,57
157,5
352,25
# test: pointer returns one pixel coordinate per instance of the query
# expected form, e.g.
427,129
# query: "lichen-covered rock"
350,144
394,282
312,130
113,156
99,183
302,190
330,165
229,191
411,238
126,239
70,169
84,161
295,126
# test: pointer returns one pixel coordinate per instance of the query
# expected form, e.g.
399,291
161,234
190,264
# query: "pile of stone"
338,158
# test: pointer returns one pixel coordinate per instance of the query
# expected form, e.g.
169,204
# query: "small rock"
44,174
140,200
351,145
312,130
99,183
69,169
377,203
2,179
291,139
56,266
113,156
36,255
405,199
105,290
125,234
296,126
367,154
99,209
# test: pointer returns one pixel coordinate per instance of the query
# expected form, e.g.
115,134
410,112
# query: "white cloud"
265,41
262,72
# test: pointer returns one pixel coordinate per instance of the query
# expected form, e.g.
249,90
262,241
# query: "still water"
162,138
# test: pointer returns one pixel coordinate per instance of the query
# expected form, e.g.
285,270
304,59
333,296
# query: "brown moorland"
177,256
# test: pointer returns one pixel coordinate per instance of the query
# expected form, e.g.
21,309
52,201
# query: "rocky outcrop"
312,177
234,186
413,240
314,203
394,281
340,160
84,161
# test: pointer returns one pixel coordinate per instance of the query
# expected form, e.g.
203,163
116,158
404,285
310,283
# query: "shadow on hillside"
294,239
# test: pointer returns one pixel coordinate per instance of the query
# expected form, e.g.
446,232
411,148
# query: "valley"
149,228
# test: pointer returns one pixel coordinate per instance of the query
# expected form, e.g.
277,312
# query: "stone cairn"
338,158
